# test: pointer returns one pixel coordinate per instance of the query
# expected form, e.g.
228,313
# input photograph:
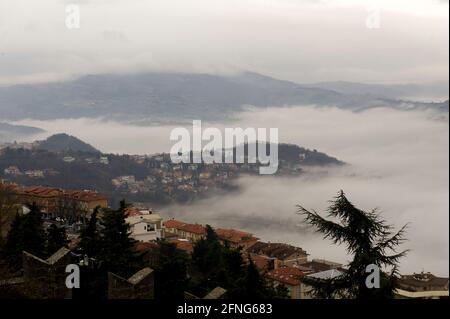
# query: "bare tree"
70,209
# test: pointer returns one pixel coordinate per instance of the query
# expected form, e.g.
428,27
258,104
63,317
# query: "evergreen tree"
207,254
252,285
90,237
215,264
211,235
207,263
368,238
14,243
233,261
281,292
7,212
117,247
26,234
56,239
170,272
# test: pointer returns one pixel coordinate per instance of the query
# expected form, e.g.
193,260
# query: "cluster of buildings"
18,145
14,171
174,179
191,179
172,182
129,184
55,201
279,263
90,160
422,285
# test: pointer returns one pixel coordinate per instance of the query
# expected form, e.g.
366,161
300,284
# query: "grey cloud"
304,41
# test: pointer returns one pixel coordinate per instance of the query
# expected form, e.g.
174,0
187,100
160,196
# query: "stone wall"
138,286
46,279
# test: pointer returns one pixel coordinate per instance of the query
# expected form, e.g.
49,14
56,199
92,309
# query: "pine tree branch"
393,241
334,231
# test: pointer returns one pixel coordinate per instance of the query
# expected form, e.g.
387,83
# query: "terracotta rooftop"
183,245
190,228
194,228
234,236
48,192
173,223
85,195
131,211
9,187
40,191
145,246
287,275
261,262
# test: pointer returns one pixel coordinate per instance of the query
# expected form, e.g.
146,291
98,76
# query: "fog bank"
398,162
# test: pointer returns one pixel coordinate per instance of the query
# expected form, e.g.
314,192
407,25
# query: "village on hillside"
279,263
141,178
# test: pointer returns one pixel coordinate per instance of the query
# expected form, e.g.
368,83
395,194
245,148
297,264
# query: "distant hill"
88,171
295,154
10,132
65,143
171,96
428,91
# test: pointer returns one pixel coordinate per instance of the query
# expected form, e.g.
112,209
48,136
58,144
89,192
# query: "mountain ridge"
173,96
63,142
10,132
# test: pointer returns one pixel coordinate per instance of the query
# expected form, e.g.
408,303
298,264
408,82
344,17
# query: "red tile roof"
86,195
9,187
235,236
173,223
194,228
183,245
190,228
145,246
286,275
49,192
40,191
131,211
261,262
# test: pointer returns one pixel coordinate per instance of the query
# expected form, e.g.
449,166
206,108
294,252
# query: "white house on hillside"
145,227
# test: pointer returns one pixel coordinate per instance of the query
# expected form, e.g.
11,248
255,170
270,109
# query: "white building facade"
146,227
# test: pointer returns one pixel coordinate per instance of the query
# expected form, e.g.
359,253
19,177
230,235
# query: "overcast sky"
300,40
